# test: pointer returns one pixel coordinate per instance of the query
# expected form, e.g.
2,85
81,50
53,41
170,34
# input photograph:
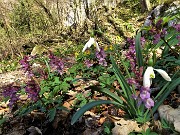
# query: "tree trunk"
145,5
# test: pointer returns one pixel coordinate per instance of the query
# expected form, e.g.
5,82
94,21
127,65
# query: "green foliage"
27,17
147,132
82,99
167,125
8,65
2,120
88,106
107,128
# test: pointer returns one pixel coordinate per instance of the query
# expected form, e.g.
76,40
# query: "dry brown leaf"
124,127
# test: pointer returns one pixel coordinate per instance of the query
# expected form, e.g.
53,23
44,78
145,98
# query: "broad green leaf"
88,106
44,89
56,80
139,56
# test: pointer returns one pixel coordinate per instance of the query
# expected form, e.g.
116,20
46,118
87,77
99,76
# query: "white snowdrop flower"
163,74
89,43
149,74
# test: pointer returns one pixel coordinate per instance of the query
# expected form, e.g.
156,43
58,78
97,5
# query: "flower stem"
175,53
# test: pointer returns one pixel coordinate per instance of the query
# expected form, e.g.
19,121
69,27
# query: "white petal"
97,46
88,44
147,81
163,74
85,47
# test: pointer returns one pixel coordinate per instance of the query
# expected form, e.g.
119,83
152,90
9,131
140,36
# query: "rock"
171,115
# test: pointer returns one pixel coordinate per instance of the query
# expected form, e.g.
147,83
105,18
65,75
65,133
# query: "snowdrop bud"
163,74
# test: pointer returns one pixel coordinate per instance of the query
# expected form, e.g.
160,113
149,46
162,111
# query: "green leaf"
44,89
88,106
2,120
51,114
125,86
168,90
64,86
139,56
107,93
56,80
153,133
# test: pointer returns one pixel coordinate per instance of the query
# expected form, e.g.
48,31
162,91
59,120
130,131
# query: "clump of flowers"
88,63
56,63
32,89
26,65
131,56
101,56
11,92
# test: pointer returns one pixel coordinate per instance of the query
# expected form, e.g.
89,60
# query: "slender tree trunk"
145,5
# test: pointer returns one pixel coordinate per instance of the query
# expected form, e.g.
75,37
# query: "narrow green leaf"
108,93
88,106
139,56
125,86
169,89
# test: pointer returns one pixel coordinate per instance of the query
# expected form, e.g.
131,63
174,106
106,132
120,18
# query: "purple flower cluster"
157,31
26,65
56,63
131,56
88,63
145,97
177,27
11,91
32,89
101,56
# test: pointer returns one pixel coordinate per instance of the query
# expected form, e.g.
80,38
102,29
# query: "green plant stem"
175,53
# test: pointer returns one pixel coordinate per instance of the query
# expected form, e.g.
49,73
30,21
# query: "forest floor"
92,123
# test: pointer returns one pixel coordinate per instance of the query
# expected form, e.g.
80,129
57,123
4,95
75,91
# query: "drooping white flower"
163,74
89,43
149,74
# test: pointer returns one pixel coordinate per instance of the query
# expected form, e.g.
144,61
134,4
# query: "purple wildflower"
11,92
101,56
157,37
145,97
159,24
132,81
177,27
88,63
143,40
149,103
56,63
163,32
131,56
32,89
134,96
25,63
